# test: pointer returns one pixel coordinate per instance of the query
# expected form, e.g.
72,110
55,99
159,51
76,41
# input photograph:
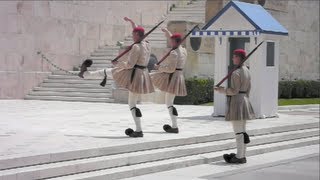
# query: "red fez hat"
138,29
240,52
176,36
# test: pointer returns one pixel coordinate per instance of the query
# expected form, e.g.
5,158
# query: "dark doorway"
236,43
152,61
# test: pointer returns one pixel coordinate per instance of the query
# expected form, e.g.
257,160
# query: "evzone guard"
239,108
170,79
130,74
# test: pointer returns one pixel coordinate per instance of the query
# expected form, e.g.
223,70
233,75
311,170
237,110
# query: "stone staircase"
60,86
140,158
194,12
64,87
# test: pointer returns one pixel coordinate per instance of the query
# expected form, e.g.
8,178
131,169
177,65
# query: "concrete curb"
295,107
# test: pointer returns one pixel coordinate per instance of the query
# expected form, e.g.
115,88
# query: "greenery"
300,101
200,91
287,102
299,89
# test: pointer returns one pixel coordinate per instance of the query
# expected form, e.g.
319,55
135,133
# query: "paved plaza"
36,127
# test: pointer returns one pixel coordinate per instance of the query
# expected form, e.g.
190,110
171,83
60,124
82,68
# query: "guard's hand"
220,89
127,19
156,67
114,62
164,30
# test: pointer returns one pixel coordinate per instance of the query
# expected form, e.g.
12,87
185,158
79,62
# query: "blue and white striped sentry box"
210,33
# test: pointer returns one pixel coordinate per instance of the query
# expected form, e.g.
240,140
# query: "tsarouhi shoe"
129,132
235,160
87,63
227,157
136,134
167,128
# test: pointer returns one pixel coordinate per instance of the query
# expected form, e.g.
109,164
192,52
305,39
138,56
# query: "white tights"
132,101
169,98
239,126
97,74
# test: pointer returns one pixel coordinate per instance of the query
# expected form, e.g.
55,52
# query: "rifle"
173,48
230,73
130,47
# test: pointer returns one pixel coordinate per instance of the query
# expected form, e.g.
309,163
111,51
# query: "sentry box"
245,25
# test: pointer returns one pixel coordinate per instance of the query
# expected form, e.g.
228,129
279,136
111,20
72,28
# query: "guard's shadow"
111,137
103,137
220,163
219,175
154,132
201,118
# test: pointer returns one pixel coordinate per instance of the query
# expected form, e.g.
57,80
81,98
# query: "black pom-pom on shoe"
166,127
128,131
136,134
227,157
87,63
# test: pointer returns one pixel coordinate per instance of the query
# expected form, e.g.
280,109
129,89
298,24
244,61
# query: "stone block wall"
299,52
66,31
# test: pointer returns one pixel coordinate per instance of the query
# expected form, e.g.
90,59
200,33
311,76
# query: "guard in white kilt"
170,79
131,74
239,108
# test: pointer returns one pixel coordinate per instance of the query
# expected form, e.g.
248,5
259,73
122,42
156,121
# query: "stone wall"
66,31
299,52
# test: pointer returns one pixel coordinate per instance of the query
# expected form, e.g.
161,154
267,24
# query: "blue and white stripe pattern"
209,33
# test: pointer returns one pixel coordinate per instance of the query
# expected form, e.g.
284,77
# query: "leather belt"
139,67
171,74
134,70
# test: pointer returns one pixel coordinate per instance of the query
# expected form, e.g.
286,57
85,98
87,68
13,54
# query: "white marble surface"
256,168
41,127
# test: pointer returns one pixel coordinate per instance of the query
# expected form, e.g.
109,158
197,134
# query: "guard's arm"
134,25
170,64
132,58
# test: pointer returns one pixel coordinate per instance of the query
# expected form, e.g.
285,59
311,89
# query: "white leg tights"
132,101
239,126
99,74
169,98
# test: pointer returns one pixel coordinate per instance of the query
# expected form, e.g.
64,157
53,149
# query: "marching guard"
170,79
131,74
239,107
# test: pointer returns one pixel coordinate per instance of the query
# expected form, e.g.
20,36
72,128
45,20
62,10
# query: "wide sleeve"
170,64
249,89
132,58
235,84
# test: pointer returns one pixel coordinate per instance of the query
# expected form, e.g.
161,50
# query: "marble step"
185,161
113,161
72,85
66,98
255,162
266,135
71,94
57,89
74,81
69,77
106,58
